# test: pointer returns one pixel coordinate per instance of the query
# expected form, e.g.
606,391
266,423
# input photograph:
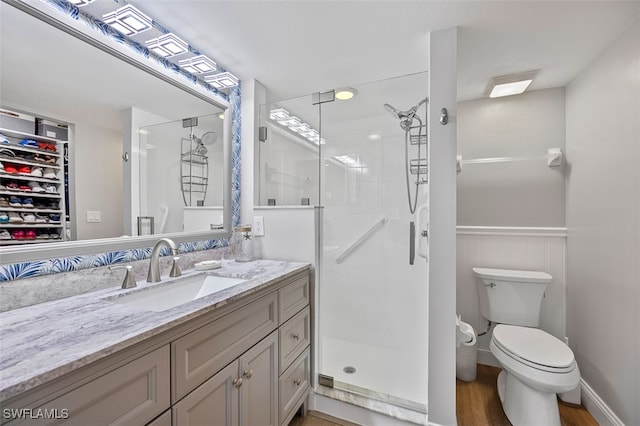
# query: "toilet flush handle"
492,285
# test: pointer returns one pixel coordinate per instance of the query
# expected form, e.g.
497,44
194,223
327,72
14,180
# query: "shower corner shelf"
194,173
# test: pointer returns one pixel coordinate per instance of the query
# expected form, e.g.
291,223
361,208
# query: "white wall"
603,215
519,193
97,169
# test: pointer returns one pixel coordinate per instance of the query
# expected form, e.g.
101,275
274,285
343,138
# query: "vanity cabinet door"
215,402
201,353
129,395
259,390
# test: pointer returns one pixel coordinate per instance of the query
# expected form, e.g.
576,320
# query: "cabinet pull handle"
237,382
297,382
295,336
248,373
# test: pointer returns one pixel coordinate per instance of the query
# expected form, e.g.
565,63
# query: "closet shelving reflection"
47,216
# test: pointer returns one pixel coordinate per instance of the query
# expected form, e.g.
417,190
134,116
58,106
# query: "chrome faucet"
154,265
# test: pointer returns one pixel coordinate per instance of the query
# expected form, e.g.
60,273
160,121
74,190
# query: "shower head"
405,117
392,111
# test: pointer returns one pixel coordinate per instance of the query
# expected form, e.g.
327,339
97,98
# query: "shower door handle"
412,242
422,219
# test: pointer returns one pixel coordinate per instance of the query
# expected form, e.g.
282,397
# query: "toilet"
535,365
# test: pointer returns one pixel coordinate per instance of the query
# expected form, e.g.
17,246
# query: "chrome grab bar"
361,240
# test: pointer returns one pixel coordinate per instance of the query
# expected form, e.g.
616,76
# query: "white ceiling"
299,47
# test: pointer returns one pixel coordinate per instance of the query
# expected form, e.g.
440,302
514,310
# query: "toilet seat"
534,348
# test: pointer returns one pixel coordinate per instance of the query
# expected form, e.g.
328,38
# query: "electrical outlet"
94,216
258,226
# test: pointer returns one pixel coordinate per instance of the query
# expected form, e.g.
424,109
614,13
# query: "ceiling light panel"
128,20
222,80
198,64
167,45
510,84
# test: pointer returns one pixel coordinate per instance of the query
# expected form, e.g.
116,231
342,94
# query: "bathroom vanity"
240,356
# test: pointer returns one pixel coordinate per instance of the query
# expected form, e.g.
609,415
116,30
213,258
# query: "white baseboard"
597,407
485,357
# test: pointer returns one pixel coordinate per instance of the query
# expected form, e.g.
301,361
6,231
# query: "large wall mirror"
147,155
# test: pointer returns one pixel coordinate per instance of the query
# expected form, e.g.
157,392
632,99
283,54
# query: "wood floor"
477,404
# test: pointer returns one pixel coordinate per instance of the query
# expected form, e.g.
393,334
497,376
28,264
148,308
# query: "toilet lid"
534,347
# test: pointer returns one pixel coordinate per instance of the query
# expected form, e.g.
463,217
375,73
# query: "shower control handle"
444,116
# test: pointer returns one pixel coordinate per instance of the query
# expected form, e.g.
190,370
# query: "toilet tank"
510,296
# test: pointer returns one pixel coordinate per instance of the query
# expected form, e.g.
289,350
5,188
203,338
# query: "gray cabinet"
245,392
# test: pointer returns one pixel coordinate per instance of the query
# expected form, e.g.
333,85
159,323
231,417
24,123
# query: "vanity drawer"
201,353
293,297
294,386
294,338
132,394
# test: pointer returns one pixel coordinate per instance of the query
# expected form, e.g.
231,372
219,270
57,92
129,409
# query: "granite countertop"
42,342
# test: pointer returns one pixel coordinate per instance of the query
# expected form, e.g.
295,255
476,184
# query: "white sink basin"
177,292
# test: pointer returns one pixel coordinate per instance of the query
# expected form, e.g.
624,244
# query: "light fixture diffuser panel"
508,89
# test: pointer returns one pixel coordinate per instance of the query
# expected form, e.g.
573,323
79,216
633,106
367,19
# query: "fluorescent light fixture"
167,45
198,64
128,20
346,93
511,84
222,80
81,3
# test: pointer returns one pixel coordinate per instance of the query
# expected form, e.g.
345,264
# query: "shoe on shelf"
29,143
4,202
4,217
24,188
10,168
13,186
5,235
15,218
41,218
35,187
42,235
36,171
15,201
54,218
3,139
17,235
7,153
24,170
27,203
29,218
1,167
49,173
30,234
50,188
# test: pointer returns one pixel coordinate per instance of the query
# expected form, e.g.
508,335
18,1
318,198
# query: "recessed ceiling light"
346,93
511,84
128,20
374,136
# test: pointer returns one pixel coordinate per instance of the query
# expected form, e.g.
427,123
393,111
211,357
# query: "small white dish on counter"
206,265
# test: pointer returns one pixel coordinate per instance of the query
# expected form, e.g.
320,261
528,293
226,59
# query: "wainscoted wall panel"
533,249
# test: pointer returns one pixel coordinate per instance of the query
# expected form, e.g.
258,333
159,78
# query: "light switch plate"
94,216
258,226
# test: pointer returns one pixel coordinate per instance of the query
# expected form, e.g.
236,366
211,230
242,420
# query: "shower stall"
364,160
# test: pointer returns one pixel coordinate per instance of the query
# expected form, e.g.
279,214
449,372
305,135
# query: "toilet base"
526,406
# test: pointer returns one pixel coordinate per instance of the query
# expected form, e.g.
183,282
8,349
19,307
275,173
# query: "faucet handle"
175,267
129,281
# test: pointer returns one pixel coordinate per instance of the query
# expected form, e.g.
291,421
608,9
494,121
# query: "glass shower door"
372,302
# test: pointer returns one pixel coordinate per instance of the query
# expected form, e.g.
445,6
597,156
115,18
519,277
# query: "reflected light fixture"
346,93
167,45
198,64
127,19
511,84
222,80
